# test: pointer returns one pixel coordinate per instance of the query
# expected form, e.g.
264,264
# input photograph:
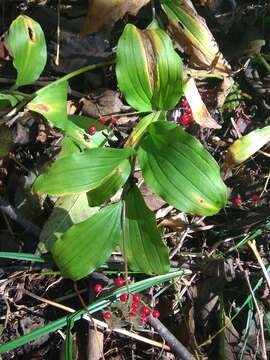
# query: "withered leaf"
199,110
103,13
192,33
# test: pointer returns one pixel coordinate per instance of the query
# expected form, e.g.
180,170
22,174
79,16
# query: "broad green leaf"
68,147
27,45
192,33
68,210
149,71
245,147
9,100
82,172
85,246
140,129
111,185
142,244
177,167
51,102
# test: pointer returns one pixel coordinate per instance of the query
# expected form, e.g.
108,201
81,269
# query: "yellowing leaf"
149,71
191,32
199,110
106,12
51,103
27,45
245,147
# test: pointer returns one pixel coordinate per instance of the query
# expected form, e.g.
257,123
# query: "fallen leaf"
105,13
245,147
199,110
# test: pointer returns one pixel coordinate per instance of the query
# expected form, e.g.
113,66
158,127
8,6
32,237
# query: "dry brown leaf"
104,13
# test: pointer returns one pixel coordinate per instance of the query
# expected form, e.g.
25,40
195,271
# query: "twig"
180,243
19,219
96,332
101,323
176,346
58,34
252,245
260,315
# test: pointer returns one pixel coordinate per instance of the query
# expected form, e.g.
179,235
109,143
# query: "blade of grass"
245,303
22,256
247,328
251,236
94,307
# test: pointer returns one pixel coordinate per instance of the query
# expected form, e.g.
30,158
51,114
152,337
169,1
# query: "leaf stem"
81,71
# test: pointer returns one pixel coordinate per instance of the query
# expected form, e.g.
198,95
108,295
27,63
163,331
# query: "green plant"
174,164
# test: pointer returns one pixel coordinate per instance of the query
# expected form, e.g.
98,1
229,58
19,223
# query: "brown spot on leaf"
40,107
145,37
31,31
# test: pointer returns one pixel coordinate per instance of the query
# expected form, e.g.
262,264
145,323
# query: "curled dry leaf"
103,13
245,147
199,110
191,32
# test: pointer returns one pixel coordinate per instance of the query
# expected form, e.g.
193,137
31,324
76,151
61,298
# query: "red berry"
113,120
191,119
133,313
254,198
135,305
145,310
188,110
136,298
184,120
92,130
98,288
107,315
184,102
102,120
123,297
156,314
119,282
144,318
237,201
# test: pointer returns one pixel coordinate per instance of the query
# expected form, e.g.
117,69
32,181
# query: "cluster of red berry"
112,121
186,117
238,201
144,310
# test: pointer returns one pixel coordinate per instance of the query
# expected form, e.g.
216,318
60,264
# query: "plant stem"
81,71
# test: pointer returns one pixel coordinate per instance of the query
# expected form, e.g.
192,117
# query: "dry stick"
180,243
260,315
252,245
15,216
100,323
176,346
57,57
100,346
